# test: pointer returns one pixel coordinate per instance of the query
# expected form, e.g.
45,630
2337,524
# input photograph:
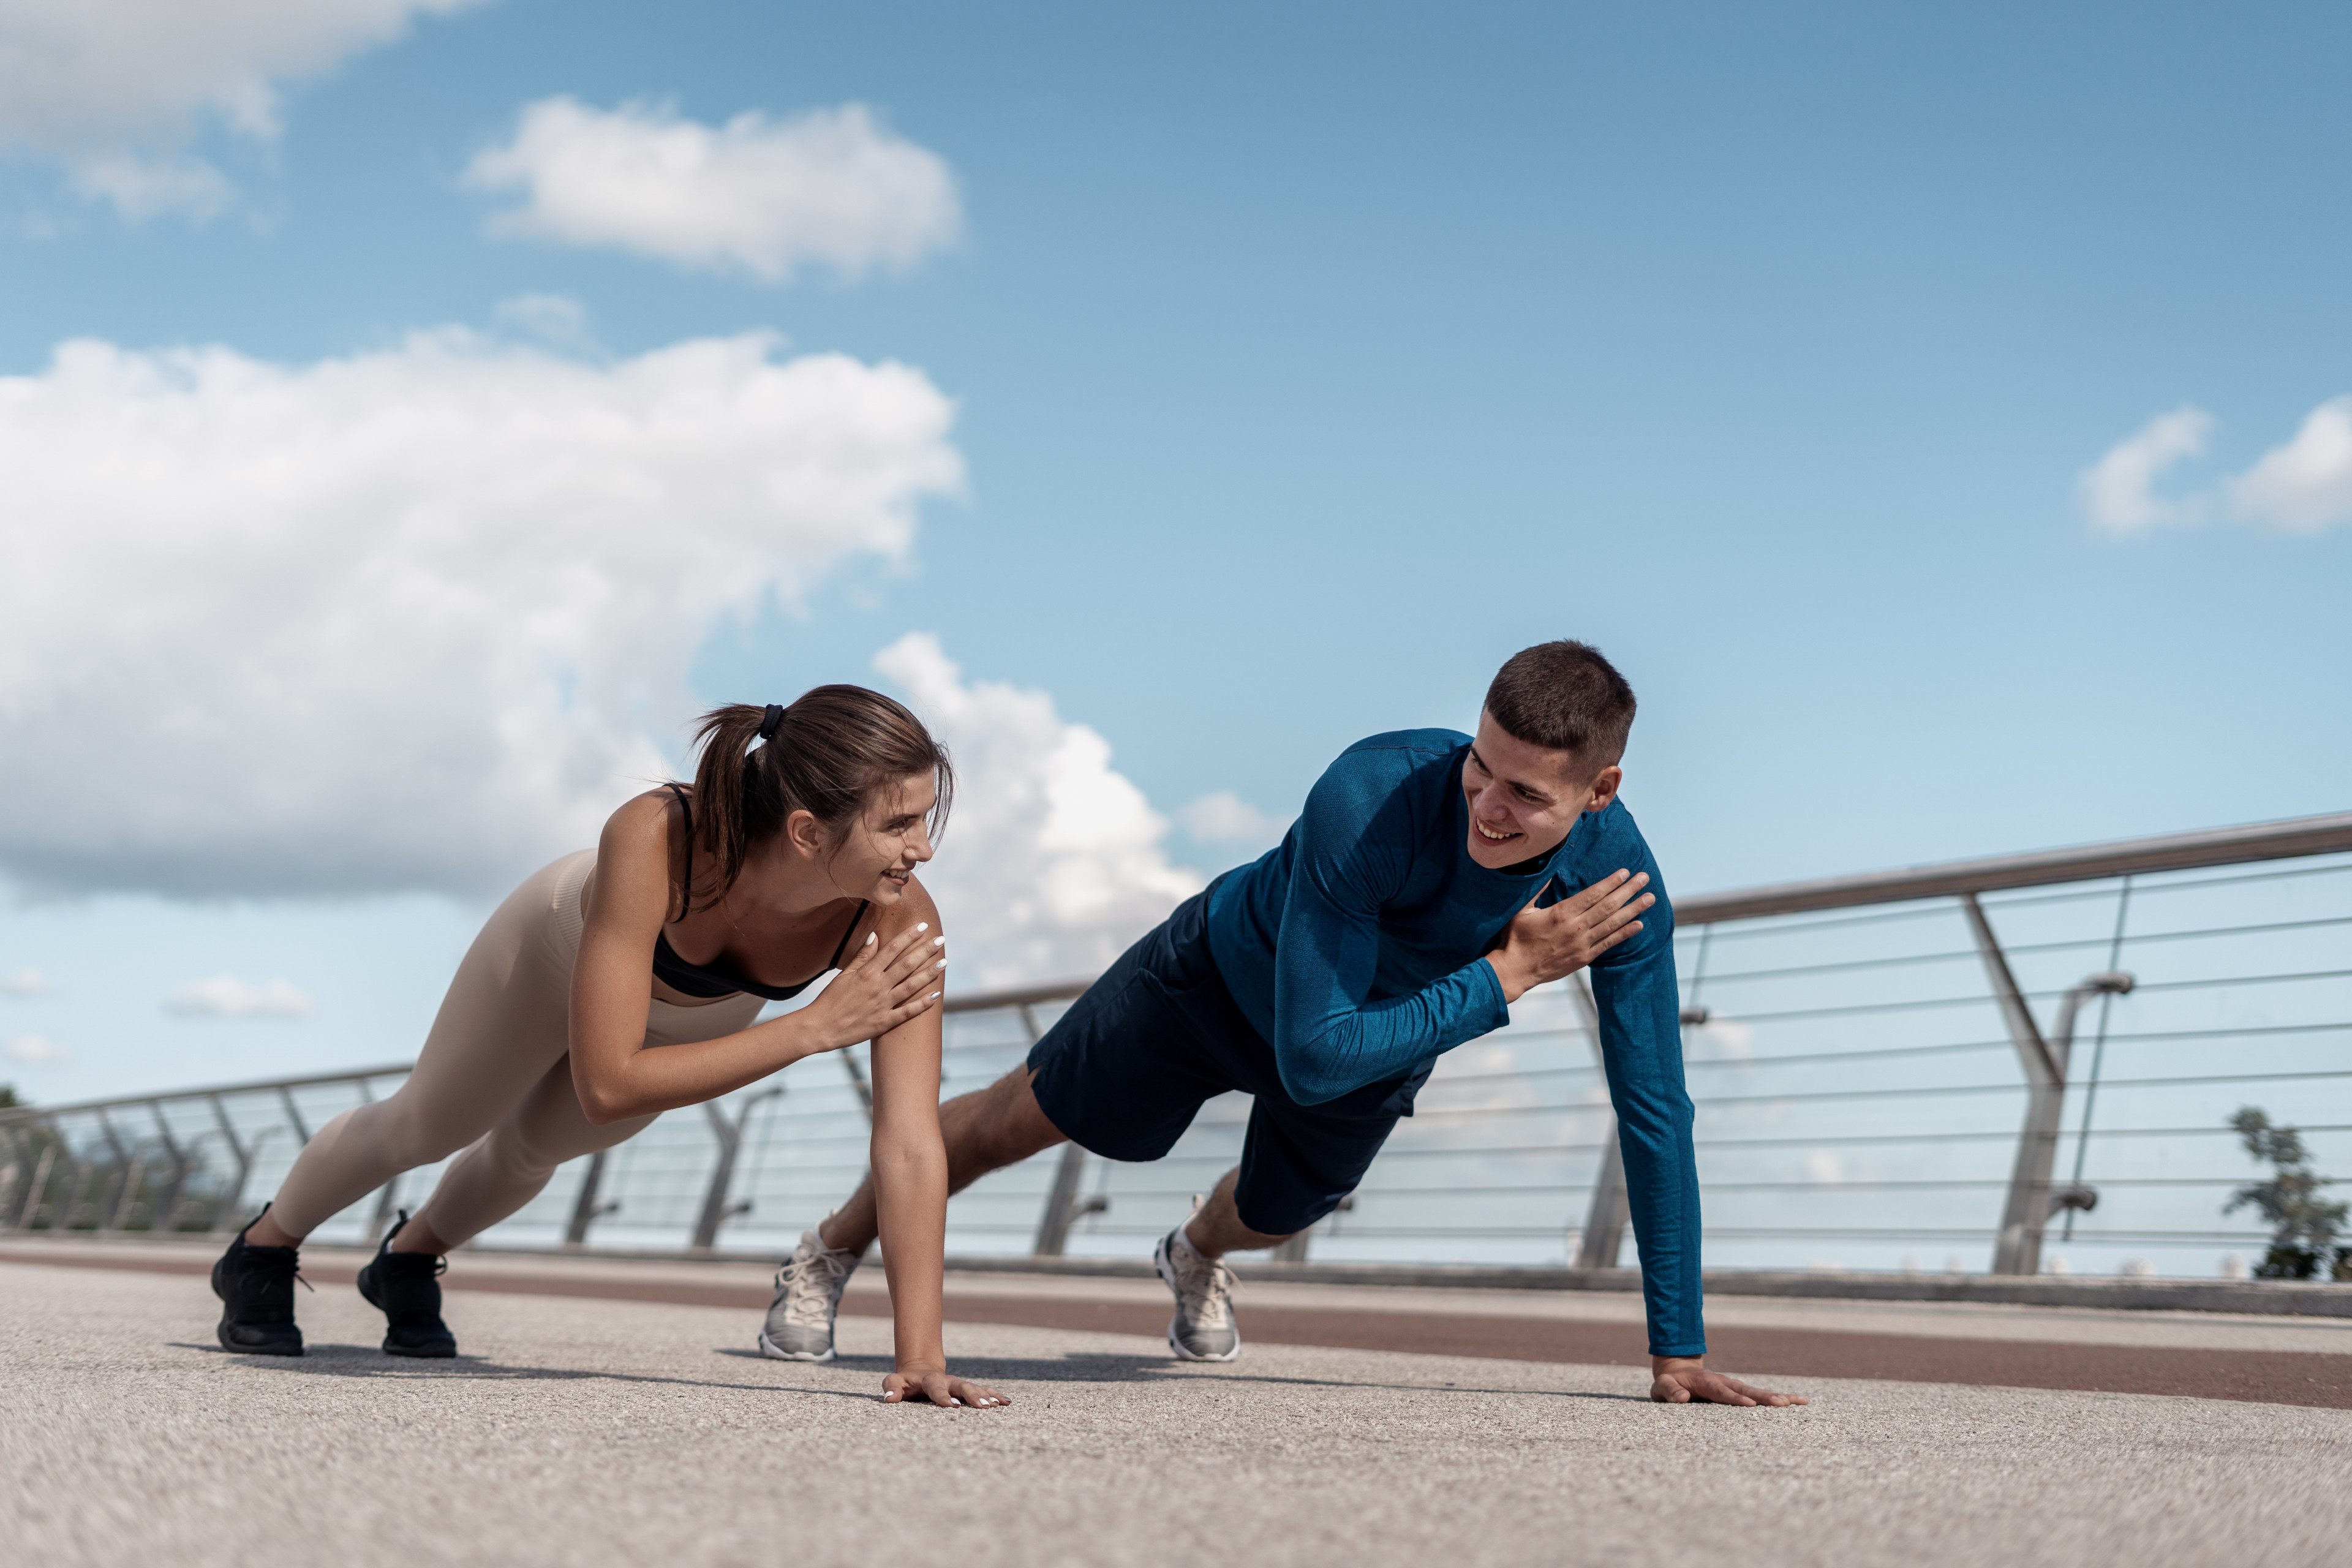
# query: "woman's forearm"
911,1189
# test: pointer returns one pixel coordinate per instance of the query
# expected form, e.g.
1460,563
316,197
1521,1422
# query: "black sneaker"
405,1287
255,1285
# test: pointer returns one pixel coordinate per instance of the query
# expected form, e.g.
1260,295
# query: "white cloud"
227,996
93,82
1226,817
833,187
2302,486
1721,1039
34,1048
27,982
144,186
408,619
1053,861
2306,485
2118,491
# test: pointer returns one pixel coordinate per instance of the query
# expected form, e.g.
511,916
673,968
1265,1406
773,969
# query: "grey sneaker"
1202,1327
808,1294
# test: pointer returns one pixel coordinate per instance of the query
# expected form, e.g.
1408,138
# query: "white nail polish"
938,941
922,926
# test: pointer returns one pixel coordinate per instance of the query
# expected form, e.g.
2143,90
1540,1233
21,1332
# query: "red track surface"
2273,1378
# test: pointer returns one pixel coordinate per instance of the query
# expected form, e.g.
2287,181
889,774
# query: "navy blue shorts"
1123,1072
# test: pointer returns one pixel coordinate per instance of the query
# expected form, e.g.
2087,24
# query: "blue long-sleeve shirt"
1357,948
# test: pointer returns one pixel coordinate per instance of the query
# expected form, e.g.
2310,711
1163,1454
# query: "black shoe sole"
282,1347
445,1352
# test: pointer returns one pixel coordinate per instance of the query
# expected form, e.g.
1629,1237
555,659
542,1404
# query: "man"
1433,879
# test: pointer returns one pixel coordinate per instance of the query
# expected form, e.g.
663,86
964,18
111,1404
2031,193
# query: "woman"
625,981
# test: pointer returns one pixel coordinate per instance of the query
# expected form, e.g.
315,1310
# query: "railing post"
2025,1211
1606,1215
243,1154
716,1210
130,1171
586,1210
1064,1207
166,1207
31,1210
20,1168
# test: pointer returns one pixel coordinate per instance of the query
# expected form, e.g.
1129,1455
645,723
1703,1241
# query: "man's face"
1524,799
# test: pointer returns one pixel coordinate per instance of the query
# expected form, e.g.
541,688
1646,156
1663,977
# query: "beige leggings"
494,1079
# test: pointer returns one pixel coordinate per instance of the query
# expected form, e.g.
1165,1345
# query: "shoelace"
268,1272
1206,1289
809,1281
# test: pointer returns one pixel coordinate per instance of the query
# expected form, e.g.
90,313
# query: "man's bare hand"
1550,944
1682,1379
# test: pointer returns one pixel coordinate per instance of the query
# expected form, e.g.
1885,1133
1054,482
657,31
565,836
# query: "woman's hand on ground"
1684,1380
881,988
913,1387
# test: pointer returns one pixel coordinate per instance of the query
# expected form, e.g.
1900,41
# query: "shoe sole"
422,1352
1182,1354
1167,1277
775,1352
234,1349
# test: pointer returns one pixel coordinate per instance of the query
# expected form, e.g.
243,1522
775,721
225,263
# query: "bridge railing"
2016,1064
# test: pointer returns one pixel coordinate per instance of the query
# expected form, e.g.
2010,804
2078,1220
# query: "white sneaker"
1202,1327
808,1295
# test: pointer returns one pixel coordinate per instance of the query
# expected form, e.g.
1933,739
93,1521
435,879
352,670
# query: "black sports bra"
707,980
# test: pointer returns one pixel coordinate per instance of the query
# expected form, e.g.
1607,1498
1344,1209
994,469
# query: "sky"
413,411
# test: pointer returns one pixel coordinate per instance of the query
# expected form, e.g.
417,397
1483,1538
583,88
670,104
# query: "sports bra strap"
686,806
843,945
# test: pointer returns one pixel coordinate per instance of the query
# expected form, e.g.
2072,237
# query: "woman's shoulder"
643,839
912,908
651,818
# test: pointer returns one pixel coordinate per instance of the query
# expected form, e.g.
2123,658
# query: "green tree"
2302,1224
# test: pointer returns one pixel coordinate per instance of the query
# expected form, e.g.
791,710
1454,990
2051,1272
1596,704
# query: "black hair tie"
770,721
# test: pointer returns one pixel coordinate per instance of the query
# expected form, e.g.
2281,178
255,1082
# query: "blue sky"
1306,361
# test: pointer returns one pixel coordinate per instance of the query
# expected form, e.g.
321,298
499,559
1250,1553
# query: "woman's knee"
406,1133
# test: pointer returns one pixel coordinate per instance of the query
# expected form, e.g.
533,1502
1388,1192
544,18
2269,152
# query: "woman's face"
878,852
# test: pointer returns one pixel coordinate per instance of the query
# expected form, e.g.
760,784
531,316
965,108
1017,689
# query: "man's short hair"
1563,696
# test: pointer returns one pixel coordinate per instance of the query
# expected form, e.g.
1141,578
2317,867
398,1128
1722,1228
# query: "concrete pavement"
592,1431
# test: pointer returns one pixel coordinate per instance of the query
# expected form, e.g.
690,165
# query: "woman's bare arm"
911,1189
883,986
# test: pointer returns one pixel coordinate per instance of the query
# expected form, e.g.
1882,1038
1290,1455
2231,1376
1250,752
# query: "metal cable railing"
1862,1052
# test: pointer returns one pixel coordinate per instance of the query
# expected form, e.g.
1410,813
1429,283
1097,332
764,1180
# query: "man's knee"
996,1127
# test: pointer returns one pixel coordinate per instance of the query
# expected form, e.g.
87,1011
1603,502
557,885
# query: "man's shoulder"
1391,779
1610,835
1399,752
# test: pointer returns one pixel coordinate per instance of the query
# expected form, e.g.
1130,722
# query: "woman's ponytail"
824,754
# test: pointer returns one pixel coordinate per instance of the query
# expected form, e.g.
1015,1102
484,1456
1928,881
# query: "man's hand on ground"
1550,944
1682,1379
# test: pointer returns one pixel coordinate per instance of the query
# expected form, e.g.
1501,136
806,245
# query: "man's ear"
1604,788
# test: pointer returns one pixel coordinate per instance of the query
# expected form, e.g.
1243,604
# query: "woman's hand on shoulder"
936,1385
897,974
